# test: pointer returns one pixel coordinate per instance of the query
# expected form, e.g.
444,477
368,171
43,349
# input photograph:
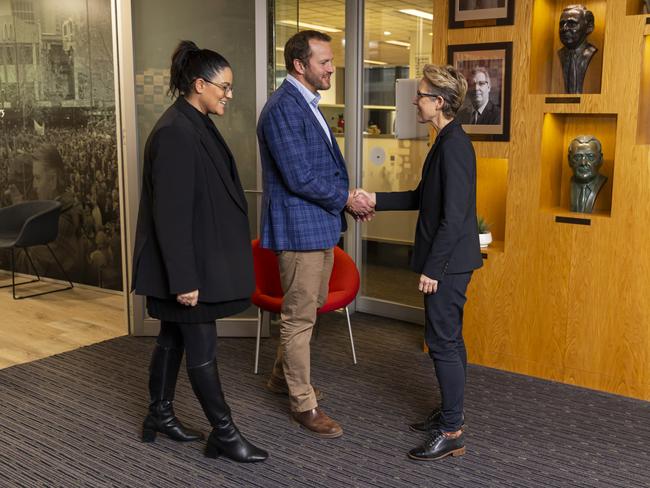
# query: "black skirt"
172,311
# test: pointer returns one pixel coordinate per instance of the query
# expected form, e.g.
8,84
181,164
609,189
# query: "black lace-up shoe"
439,446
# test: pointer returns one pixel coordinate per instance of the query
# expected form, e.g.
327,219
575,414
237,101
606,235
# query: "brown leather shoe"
318,423
279,386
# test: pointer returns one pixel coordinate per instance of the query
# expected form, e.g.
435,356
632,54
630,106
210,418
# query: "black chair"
28,224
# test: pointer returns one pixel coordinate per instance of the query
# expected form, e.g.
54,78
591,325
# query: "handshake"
361,204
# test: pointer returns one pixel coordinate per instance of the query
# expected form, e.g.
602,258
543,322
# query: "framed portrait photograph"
485,113
473,13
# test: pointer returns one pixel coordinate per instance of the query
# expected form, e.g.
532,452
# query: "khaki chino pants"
305,279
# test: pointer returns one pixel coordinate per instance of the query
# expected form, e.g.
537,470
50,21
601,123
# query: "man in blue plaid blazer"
305,196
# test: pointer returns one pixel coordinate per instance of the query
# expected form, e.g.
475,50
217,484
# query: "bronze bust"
576,23
585,159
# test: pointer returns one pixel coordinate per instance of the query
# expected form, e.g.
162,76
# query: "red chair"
343,288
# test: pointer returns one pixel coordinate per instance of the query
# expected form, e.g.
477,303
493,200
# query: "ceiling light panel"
417,13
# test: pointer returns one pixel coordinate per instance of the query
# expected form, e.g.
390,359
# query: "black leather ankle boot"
225,437
165,363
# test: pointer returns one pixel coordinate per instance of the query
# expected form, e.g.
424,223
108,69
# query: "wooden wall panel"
643,123
561,301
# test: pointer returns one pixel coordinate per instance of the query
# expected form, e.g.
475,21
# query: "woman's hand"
361,204
190,299
427,285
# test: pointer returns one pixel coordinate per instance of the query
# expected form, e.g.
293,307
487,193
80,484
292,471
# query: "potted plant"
484,234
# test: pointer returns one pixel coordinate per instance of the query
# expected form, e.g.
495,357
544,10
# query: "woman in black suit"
446,250
193,257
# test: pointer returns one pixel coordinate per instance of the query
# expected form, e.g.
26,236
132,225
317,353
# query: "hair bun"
189,62
188,46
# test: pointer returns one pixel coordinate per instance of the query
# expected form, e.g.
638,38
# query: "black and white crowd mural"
58,137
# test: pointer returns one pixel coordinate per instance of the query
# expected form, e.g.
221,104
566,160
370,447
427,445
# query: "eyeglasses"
224,86
422,94
478,83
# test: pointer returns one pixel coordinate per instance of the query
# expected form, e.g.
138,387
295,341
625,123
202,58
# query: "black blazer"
193,228
446,238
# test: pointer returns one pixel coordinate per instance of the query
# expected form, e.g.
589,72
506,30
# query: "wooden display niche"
635,7
558,131
491,192
545,68
643,124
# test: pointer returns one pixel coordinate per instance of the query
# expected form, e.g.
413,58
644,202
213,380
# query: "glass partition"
284,23
397,44
223,26
289,16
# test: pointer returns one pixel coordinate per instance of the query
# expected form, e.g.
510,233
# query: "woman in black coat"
193,257
446,250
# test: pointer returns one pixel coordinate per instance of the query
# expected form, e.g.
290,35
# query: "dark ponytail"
189,63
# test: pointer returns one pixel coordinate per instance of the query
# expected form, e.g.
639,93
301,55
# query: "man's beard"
316,81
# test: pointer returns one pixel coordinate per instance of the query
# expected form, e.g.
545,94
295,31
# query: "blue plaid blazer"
304,176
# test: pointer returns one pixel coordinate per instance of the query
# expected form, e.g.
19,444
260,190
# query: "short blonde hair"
449,83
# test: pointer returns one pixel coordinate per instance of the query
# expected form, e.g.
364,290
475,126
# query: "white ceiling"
380,16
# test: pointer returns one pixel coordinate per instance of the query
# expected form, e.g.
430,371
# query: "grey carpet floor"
74,419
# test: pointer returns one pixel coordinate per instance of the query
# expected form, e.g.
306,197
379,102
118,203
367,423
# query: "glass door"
283,22
397,44
230,28
290,16
375,43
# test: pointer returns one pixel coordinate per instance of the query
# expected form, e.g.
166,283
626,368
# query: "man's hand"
427,285
190,299
361,204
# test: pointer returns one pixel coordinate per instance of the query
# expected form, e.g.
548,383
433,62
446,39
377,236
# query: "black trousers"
199,340
444,336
